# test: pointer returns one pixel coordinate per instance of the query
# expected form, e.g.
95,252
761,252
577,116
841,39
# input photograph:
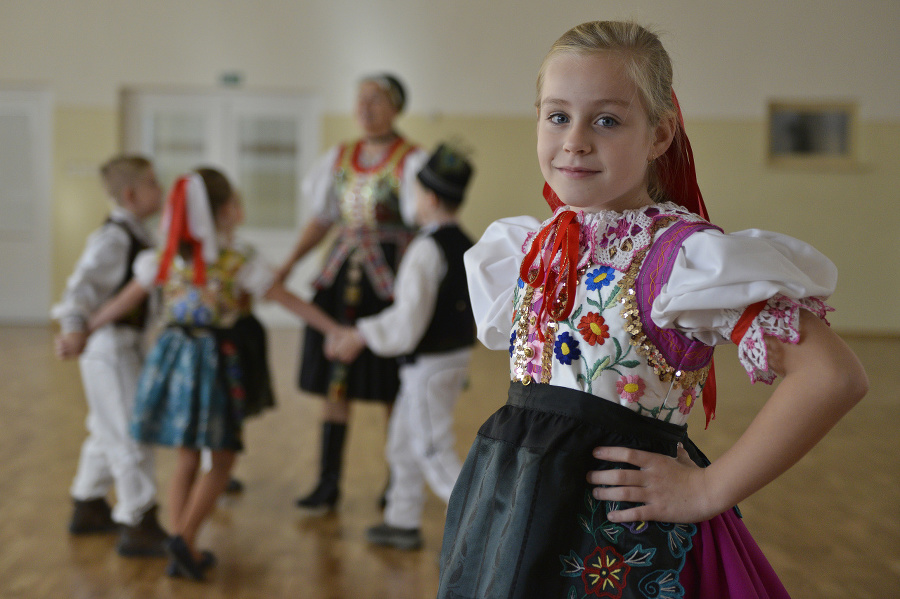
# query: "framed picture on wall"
809,133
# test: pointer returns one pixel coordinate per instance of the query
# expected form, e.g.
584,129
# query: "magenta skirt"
725,561
522,522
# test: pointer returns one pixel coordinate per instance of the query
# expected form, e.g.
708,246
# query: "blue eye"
558,118
607,121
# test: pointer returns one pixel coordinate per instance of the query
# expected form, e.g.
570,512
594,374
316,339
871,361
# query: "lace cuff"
778,318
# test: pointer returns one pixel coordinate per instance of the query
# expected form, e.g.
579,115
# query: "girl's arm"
312,314
314,232
823,380
129,297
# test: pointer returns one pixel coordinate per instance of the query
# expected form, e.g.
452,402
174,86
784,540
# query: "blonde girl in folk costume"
585,483
364,191
196,383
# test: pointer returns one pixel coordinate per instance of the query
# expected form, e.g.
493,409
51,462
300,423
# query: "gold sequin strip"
633,325
522,351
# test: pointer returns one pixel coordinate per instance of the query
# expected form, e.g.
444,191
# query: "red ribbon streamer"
179,232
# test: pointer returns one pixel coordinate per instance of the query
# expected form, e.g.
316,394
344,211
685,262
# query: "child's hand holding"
70,345
344,344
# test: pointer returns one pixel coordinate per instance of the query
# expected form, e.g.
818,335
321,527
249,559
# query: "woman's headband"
392,86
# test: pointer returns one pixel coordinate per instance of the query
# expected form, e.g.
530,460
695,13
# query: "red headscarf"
678,179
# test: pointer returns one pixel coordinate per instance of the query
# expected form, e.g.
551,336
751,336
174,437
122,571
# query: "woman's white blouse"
715,278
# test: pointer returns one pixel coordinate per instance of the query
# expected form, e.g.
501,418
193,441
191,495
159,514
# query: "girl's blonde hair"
121,172
647,64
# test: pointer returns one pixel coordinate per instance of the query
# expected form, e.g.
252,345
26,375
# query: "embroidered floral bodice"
657,288
238,275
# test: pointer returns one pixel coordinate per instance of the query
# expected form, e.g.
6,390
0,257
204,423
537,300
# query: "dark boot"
91,516
144,539
327,491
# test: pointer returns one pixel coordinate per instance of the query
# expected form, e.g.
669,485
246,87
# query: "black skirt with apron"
522,521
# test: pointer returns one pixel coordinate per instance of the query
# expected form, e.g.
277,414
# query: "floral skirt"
191,392
522,522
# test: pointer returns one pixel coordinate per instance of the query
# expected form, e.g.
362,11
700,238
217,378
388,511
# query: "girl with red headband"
202,376
585,483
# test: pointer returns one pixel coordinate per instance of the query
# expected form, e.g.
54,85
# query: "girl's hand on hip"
670,489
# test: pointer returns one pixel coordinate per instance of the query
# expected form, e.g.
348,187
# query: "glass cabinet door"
276,140
179,132
263,142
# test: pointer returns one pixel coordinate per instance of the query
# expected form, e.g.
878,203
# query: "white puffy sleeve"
317,188
256,276
412,164
146,266
492,272
741,287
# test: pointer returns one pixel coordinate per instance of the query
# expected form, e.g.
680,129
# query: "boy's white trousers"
420,446
110,367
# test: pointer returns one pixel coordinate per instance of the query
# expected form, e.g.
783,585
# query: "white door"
25,206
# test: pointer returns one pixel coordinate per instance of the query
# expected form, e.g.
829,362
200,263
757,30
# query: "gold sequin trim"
547,354
522,351
681,379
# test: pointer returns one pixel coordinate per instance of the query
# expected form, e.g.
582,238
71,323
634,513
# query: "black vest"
452,325
136,317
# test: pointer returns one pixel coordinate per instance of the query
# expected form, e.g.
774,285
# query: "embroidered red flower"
631,387
593,328
687,400
605,573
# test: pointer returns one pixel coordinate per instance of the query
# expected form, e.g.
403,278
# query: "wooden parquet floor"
830,526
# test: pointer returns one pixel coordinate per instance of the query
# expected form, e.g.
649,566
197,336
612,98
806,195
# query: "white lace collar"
610,238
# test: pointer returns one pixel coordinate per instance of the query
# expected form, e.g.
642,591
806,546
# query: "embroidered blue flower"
600,277
202,315
662,584
566,348
521,283
636,527
180,311
680,537
512,341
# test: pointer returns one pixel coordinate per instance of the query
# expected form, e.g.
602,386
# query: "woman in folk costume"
194,389
365,191
585,483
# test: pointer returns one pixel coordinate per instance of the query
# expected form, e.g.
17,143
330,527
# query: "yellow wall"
847,214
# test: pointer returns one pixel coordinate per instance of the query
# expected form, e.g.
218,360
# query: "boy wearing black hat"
430,324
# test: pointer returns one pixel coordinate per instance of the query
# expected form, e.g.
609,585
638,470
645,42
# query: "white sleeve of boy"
398,329
97,274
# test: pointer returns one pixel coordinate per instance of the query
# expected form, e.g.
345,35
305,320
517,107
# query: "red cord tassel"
562,235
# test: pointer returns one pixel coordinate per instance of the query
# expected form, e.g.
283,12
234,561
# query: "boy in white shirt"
110,366
431,327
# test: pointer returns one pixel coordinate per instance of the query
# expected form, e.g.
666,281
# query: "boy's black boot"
144,539
327,491
91,516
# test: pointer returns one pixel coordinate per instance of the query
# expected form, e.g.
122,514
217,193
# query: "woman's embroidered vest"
369,199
